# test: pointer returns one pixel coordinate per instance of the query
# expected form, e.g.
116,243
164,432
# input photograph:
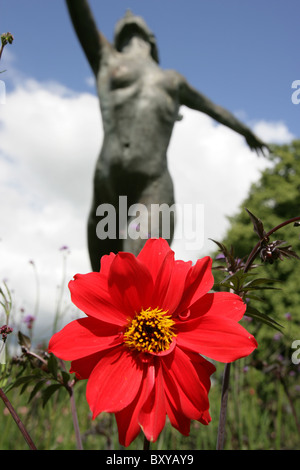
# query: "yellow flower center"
150,331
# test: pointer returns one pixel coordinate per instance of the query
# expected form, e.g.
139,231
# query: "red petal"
106,261
177,419
153,254
205,418
114,382
219,304
130,283
127,419
152,416
83,367
83,337
198,282
89,292
173,405
147,411
170,282
190,375
216,333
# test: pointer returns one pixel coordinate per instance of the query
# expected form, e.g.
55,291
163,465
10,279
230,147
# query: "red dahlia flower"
148,320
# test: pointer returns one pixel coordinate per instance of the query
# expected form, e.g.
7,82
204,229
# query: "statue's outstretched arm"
191,98
86,30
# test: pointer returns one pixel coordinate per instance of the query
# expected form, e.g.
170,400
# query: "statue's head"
131,24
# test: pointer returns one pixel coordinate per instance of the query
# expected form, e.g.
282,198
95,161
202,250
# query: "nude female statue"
139,104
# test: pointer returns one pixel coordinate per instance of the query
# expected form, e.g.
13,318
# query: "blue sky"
244,55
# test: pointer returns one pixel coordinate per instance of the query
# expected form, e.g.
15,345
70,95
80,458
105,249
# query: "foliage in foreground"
264,400
259,417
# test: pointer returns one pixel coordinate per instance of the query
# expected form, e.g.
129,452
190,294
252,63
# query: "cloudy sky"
242,55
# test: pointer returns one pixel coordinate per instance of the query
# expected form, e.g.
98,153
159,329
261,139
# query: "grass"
263,408
259,417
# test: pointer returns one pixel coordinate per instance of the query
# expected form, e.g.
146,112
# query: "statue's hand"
256,144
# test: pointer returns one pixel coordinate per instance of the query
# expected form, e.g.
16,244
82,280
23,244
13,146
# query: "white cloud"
275,132
50,135
213,166
49,142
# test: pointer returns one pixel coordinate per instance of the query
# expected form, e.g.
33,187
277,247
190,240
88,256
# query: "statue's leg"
153,214
102,227
100,246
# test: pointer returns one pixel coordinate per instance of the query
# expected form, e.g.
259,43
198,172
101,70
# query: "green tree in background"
274,365
274,199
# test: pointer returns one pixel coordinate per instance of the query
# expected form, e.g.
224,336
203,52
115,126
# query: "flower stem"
226,376
70,389
146,444
37,301
287,392
223,410
75,420
58,312
17,420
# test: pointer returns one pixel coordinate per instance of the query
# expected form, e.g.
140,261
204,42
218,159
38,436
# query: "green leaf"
235,281
257,315
246,289
257,225
22,380
254,297
48,392
257,282
52,365
25,385
66,377
24,340
36,389
222,247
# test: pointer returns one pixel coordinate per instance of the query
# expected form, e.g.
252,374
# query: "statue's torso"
139,105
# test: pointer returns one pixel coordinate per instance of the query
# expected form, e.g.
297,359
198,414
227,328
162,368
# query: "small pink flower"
29,320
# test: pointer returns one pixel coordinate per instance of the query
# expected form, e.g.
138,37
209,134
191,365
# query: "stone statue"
139,104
